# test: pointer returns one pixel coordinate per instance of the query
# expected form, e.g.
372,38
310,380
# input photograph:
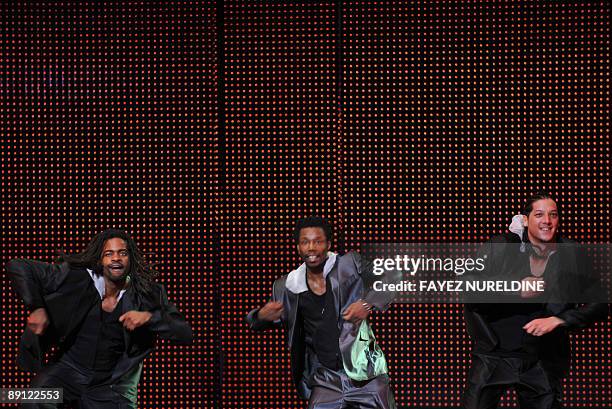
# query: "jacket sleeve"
33,280
588,281
584,315
381,300
168,322
494,254
261,325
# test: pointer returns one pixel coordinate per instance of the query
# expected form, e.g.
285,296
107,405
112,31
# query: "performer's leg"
104,396
534,391
58,375
373,394
488,379
556,383
326,390
111,400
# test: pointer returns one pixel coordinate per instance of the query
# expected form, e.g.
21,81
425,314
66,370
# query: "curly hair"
141,274
313,221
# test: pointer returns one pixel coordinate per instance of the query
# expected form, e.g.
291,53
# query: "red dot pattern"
206,129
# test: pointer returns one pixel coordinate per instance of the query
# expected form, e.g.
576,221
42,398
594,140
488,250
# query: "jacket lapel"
128,303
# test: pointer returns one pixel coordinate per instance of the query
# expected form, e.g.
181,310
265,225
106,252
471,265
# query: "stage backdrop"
109,119
206,129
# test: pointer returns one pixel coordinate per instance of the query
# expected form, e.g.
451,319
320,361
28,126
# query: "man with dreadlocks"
102,310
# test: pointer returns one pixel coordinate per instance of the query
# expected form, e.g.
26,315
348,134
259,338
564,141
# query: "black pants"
78,390
334,390
490,376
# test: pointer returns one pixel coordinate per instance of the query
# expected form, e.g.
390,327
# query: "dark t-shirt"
321,325
99,342
507,320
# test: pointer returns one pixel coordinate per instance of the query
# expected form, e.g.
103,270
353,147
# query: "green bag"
367,359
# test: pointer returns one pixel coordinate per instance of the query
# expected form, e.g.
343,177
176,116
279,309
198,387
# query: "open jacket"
67,294
351,279
574,280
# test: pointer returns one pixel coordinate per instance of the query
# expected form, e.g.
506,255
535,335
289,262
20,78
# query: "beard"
108,273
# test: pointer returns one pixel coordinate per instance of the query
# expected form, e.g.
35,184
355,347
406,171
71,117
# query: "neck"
543,250
112,288
315,272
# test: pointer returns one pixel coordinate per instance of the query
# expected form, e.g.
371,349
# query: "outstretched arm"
33,280
270,314
164,320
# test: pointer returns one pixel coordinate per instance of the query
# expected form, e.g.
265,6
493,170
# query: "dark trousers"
335,390
490,376
78,390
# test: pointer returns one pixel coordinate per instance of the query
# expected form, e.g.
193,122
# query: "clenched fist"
272,311
38,321
357,312
134,319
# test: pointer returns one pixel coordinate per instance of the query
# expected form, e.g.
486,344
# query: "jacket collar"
296,280
98,281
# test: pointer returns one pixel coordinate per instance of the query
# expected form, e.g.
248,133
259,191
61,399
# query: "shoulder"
572,248
349,257
505,238
351,260
280,281
565,240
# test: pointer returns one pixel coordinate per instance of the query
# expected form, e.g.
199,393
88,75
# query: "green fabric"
367,359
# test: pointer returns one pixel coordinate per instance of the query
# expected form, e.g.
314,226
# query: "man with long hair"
102,310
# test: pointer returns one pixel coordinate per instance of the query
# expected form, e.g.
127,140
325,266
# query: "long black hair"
141,274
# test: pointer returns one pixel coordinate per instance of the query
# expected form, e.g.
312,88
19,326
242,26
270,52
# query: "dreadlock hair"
141,274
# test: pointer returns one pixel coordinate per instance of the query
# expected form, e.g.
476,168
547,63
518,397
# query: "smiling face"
542,222
115,260
313,246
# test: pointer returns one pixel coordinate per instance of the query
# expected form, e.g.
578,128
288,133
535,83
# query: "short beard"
123,277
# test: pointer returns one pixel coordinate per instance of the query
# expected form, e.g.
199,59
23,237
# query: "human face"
115,259
543,222
313,246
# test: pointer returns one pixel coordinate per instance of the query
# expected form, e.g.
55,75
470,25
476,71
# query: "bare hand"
543,326
134,319
531,294
272,311
357,312
38,321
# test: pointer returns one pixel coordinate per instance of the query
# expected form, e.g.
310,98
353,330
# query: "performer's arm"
381,300
167,322
268,316
585,315
582,315
33,280
589,283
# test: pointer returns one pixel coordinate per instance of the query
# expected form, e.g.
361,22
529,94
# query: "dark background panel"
454,113
450,115
280,129
107,111
207,129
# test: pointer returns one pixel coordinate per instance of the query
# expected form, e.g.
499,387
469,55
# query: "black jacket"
67,294
574,280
